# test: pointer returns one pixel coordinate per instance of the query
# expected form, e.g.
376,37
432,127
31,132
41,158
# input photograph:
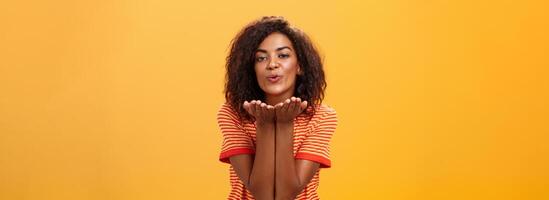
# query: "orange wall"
117,99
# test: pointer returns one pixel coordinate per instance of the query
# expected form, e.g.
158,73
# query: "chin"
274,91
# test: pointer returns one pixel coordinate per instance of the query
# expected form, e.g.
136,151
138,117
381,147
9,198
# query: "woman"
276,132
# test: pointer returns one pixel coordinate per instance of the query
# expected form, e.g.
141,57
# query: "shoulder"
324,121
323,108
324,114
227,112
324,111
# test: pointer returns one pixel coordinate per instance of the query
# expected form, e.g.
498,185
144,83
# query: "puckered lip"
273,76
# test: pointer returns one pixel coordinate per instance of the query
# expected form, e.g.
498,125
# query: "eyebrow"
277,49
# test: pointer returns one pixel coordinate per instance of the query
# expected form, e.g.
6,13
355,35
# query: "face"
276,67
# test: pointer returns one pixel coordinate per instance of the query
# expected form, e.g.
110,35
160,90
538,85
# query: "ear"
299,72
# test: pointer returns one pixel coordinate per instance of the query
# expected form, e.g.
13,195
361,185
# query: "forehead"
275,40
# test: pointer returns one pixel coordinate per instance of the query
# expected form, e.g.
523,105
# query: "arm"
257,173
292,176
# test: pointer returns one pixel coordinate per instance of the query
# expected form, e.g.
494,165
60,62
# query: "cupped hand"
262,112
289,109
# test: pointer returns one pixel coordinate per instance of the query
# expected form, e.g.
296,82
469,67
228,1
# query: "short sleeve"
235,139
316,146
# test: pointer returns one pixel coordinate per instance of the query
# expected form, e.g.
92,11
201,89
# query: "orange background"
117,99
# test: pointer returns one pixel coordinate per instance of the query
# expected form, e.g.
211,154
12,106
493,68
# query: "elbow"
288,193
261,191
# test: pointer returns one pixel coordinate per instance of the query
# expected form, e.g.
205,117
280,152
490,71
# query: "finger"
278,106
297,105
258,108
285,105
303,105
253,107
256,102
266,109
291,105
270,110
263,108
247,106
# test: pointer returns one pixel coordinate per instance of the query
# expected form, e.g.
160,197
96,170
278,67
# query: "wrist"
284,134
283,123
264,124
284,126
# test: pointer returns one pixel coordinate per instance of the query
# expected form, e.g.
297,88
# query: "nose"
273,64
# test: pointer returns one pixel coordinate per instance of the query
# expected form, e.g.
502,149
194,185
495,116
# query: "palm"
289,109
260,111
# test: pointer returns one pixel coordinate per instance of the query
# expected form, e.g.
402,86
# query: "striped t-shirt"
311,142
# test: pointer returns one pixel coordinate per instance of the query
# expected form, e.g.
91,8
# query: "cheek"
290,76
258,71
291,79
291,68
295,65
259,74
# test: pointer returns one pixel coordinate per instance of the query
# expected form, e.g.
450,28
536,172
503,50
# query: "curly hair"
240,80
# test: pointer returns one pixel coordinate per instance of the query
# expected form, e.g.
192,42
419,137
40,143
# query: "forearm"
261,182
287,182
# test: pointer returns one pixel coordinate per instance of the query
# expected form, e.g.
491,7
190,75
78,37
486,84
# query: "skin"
274,127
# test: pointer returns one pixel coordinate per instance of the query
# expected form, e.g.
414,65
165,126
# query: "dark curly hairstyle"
240,81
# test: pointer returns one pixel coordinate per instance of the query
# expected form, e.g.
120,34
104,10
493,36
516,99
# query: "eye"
283,55
260,58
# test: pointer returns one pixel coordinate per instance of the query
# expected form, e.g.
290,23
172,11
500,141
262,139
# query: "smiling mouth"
274,79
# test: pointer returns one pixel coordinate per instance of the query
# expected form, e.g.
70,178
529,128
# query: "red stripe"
224,157
324,163
311,142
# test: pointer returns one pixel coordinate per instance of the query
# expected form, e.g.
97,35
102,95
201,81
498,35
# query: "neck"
273,100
